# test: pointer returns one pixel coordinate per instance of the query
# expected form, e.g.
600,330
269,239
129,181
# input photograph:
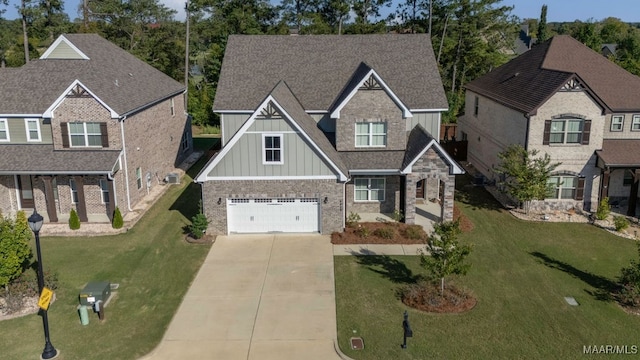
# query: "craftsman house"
566,100
88,127
317,127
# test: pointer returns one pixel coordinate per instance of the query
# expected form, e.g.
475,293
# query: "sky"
558,10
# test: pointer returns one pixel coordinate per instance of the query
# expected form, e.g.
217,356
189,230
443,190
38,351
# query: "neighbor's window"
369,189
373,134
562,187
33,129
173,108
635,124
85,134
476,106
4,130
272,145
104,190
627,180
184,142
567,131
74,191
139,178
617,123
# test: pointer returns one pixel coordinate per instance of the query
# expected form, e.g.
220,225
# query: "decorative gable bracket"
75,90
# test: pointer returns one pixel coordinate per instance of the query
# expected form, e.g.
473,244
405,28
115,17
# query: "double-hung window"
562,187
139,178
85,134
272,149
369,189
74,191
617,123
566,131
4,130
635,123
104,190
371,134
33,129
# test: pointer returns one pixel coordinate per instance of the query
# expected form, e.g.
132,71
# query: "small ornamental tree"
629,280
74,220
15,252
118,222
199,224
447,255
526,175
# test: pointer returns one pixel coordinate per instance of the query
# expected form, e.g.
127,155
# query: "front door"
26,192
420,189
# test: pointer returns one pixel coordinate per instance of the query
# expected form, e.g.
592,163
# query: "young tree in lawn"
447,255
15,252
526,175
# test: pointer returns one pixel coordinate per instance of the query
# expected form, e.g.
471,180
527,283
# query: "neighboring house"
524,41
566,100
317,127
608,50
88,127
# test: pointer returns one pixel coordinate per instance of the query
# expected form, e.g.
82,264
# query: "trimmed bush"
74,220
199,224
352,219
415,232
118,222
397,215
620,222
603,209
385,233
363,232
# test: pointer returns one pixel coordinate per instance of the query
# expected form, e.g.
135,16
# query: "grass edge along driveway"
153,266
521,272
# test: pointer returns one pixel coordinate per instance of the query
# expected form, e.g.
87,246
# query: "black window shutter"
580,189
586,131
104,134
65,134
547,132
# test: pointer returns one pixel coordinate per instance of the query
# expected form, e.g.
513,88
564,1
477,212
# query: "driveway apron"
258,297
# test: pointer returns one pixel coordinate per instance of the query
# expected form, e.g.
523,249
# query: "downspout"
526,133
126,169
344,205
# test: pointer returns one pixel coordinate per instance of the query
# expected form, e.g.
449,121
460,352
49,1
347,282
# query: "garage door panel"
273,215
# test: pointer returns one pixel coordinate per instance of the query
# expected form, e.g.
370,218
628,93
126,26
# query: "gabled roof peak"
62,48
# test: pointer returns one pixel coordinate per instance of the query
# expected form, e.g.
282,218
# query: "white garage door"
273,215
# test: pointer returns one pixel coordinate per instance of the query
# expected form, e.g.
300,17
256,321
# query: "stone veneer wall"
331,213
8,205
391,197
430,166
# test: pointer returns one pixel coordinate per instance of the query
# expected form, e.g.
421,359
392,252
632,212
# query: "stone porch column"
410,199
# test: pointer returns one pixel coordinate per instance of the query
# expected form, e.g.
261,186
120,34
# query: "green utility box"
95,291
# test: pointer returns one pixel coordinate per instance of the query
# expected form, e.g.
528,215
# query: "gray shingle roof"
317,68
373,160
124,82
43,159
527,81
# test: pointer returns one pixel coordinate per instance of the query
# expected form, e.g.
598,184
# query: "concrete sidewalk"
258,297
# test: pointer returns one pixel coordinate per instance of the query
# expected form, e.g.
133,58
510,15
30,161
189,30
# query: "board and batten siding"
244,159
18,132
430,121
64,51
231,123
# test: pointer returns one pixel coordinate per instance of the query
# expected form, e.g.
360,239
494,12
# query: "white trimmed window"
104,190
635,123
33,129
83,134
369,189
371,134
566,131
74,191
4,130
272,149
617,123
139,178
562,187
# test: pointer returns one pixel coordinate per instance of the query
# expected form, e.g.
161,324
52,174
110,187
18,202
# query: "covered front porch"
427,213
619,161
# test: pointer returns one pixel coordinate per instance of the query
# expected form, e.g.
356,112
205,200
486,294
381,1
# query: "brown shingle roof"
620,152
527,81
122,81
318,67
43,159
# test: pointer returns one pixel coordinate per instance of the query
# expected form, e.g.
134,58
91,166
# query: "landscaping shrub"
629,279
363,232
74,220
620,222
397,215
385,233
603,209
118,222
352,219
199,224
415,232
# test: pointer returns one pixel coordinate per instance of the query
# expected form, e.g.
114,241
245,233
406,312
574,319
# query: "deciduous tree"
446,256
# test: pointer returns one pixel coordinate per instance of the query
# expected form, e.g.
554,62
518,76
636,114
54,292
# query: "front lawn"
521,272
153,265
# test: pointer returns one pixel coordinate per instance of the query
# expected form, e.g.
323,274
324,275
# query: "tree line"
469,37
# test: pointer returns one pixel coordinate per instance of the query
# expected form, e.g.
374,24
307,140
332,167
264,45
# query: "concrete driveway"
258,297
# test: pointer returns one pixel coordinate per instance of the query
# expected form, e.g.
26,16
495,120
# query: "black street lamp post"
35,223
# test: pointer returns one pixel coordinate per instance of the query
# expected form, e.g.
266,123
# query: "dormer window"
33,129
272,149
371,134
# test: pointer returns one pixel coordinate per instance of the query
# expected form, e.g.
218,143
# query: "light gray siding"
627,131
429,121
231,123
18,131
64,51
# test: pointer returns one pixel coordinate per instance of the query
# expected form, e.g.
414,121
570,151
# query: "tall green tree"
15,252
296,13
526,175
628,52
587,33
445,254
543,31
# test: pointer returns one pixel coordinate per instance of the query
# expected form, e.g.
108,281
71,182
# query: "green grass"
521,272
153,266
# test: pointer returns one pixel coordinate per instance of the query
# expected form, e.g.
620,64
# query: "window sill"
566,145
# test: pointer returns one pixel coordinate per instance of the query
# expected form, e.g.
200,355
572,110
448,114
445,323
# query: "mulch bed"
206,239
426,296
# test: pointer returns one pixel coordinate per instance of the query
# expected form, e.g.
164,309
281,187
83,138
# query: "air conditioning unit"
172,178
